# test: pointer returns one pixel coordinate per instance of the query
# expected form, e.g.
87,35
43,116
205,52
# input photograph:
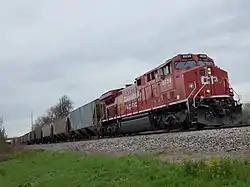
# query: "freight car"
186,91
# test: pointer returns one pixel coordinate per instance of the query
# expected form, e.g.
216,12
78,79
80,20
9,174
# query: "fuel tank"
134,124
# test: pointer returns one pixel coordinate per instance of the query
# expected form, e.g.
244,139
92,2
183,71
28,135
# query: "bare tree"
63,107
1,120
38,122
59,110
3,145
3,134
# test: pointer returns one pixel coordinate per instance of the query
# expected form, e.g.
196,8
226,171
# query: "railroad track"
221,140
178,131
157,132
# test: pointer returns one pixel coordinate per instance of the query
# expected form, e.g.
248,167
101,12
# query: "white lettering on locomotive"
209,79
131,97
167,81
131,105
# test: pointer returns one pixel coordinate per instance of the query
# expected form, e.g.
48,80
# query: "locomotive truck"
186,91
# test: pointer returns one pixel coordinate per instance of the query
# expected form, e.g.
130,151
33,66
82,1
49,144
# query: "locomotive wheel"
166,127
168,121
183,126
209,115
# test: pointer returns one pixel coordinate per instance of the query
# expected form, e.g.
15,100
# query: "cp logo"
209,79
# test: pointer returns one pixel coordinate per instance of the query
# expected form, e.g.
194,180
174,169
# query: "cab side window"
151,76
166,70
138,82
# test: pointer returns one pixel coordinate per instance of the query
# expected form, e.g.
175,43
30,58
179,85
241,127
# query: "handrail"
190,96
192,90
236,94
234,91
197,94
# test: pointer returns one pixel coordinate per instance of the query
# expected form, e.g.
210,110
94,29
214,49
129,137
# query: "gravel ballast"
207,142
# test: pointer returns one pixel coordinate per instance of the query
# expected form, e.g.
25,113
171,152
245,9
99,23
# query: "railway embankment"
172,146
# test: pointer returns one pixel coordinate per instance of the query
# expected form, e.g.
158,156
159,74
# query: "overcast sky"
84,48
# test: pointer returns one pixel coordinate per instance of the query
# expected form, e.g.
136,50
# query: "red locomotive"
188,90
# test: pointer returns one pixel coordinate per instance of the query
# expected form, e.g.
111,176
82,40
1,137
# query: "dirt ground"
177,156
181,155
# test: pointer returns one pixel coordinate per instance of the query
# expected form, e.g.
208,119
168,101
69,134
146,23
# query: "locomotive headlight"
209,71
208,91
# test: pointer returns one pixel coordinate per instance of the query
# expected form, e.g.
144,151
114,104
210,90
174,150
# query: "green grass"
5,151
51,169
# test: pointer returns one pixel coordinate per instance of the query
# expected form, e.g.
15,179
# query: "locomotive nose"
212,81
205,81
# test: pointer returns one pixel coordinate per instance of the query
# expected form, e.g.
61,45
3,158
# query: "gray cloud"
84,48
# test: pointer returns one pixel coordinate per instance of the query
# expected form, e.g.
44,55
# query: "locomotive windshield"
205,63
191,63
185,64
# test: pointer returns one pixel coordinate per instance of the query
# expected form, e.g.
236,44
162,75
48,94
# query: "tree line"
59,110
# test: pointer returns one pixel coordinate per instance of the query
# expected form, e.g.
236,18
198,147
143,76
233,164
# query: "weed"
193,168
2,172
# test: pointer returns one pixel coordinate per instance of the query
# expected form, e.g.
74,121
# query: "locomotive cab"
207,90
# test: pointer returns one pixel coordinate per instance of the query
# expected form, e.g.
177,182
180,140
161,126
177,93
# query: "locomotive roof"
176,57
159,66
